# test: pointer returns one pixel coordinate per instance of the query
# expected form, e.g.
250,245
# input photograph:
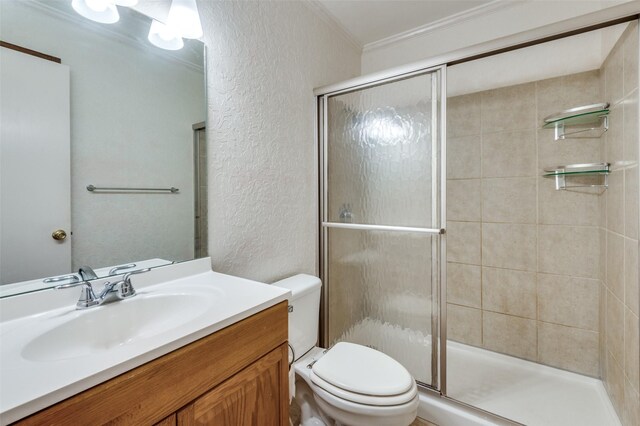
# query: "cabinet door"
258,395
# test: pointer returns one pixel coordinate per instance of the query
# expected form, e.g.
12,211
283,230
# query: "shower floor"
524,391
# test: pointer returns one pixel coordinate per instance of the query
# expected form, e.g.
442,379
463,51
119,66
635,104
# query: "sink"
50,351
120,323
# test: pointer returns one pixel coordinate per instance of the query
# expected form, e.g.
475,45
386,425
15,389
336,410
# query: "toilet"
347,384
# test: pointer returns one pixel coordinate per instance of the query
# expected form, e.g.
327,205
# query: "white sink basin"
118,323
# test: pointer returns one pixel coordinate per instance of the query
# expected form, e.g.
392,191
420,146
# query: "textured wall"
619,237
264,59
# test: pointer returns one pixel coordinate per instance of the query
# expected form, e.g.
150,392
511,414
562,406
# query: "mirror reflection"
102,148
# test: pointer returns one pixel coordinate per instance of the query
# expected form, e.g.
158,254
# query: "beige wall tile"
631,348
570,348
602,314
509,108
463,115
510,292
614,148
464,324
568,250
615,202
560,93
463,200
630,61
630,131
613,74
566,207
463,284
631,202
511,246
568,301
509,200
463,242
553,153
509,154
615,327
510,335
631,275
463,157
615,384
615,264
631,410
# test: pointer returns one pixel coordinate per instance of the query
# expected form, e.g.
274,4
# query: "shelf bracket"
561,133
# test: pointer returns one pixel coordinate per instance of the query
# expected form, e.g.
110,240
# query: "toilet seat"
363,375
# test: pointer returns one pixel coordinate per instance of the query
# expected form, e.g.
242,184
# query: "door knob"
59,235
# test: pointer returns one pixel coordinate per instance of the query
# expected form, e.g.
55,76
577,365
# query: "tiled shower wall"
619,235
523,258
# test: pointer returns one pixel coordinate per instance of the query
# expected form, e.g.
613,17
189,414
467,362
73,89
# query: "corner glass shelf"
590,175
588,121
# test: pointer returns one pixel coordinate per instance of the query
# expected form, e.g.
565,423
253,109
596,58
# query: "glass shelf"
585,174
589,121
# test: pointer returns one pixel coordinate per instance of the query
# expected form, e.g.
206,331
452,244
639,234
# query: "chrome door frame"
438,217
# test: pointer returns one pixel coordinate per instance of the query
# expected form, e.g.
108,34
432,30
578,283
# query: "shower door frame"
438,214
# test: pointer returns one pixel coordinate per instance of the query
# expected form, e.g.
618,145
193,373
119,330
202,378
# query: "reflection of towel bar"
172,190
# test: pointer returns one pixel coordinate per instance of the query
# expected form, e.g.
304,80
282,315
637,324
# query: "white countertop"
28,385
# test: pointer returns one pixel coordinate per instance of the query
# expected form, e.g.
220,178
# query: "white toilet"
347,384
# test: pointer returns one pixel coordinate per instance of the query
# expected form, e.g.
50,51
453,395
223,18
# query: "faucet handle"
87,296
126,288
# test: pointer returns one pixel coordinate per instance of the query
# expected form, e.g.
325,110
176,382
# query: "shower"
479,224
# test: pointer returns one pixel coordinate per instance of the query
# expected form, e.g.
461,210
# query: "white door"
35,196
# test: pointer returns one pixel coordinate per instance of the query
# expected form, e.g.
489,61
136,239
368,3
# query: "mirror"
92,146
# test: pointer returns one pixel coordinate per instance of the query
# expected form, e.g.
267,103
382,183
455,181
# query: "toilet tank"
304,311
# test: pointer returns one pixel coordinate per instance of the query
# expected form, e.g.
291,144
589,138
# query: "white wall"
131,116
264,59
512,17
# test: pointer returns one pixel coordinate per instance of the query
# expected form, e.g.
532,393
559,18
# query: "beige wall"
521,254
619,231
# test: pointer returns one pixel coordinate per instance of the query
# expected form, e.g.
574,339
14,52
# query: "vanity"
192,347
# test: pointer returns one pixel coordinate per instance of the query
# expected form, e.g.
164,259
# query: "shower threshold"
520,390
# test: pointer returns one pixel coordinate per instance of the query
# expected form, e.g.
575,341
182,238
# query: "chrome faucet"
86,273
118,290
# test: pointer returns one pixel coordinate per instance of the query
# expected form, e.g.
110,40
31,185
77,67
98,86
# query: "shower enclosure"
462,234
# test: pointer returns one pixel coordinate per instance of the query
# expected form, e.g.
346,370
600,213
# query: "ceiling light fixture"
184,18
164,36
102,11
126,3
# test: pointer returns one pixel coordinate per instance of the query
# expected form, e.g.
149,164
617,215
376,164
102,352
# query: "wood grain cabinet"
236,376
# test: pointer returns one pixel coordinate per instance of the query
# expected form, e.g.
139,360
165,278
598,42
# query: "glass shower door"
381,219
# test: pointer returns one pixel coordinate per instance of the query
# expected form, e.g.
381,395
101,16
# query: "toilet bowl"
347,384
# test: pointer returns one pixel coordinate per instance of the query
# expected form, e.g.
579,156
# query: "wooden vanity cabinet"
236,376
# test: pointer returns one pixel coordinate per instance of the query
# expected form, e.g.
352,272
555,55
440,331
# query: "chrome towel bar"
92,188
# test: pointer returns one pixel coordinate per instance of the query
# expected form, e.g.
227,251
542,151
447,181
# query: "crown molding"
449,21
318,8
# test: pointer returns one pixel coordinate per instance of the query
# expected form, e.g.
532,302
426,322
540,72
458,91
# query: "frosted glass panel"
379,154
379,287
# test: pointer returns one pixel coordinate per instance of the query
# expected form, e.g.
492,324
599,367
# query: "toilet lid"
359,369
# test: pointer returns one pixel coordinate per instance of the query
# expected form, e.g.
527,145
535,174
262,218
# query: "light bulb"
164,36
126,3
97,10
184,17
